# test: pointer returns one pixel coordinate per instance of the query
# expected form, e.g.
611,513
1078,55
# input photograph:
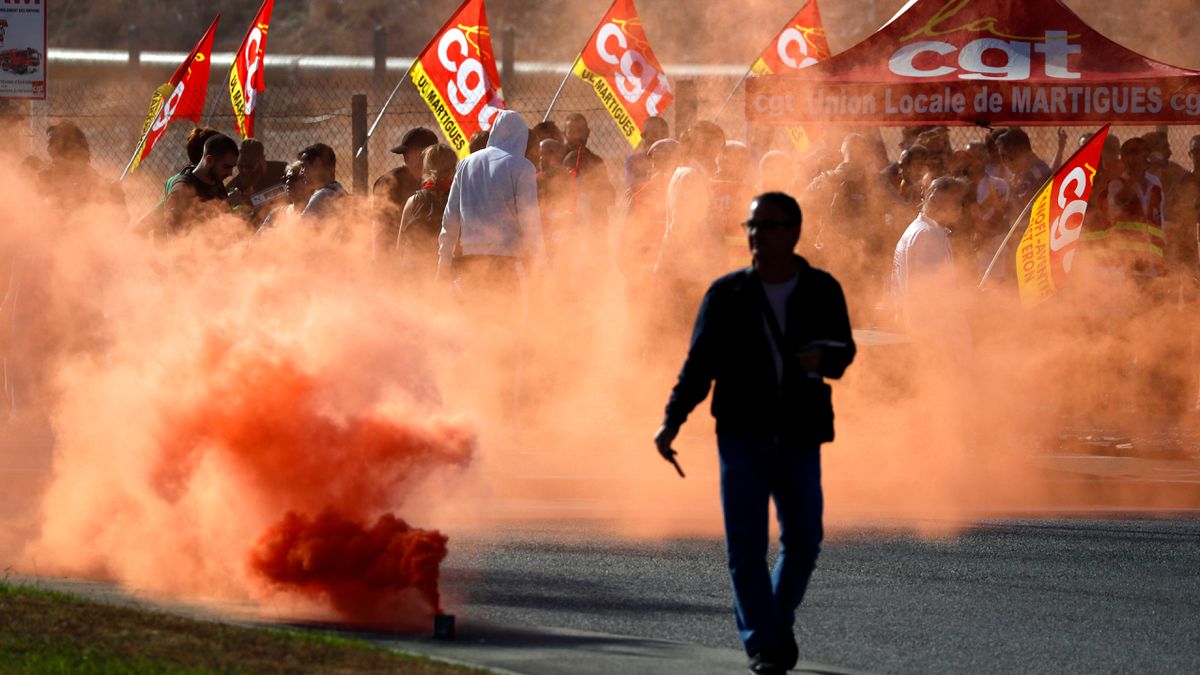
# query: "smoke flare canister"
443,627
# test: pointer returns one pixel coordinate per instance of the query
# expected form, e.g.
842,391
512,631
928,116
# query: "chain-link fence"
307,105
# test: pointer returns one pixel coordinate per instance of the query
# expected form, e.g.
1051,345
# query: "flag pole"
388,102
142,141
731,93
403,78
130,164
1016,223
563,85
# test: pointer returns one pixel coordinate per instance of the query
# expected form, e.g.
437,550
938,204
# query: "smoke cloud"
241,417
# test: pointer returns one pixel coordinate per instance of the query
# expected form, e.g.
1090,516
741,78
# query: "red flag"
180,99
457,77
800,44
1048,246
619,66
246,79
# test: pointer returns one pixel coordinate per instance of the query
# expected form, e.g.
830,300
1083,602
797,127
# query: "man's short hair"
655,120
65,140
1135,144
1015,138
547,129
786,203
577,117
321,152
194,145
252,150
479,140
220,145
953,184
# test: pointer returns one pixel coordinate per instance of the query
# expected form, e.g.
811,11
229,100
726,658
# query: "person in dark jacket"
768,335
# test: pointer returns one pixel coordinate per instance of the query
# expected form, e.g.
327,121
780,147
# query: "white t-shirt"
777,297
922,263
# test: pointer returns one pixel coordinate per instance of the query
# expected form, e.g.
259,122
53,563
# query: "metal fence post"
380,55
508,57
135,52
358,130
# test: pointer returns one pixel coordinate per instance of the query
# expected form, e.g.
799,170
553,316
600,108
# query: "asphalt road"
1044,596
1051,596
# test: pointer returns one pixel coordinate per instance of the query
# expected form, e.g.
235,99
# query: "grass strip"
44,631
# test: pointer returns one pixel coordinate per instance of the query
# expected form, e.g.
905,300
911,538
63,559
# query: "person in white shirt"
923,265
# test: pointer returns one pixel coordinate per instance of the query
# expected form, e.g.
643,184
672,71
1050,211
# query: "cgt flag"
246,79
457,78
800,44
618,65
180,99
1047,248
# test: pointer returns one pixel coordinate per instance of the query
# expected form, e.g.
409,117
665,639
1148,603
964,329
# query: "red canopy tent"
988,62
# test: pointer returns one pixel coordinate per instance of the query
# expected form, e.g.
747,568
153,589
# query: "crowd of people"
671,217
683,212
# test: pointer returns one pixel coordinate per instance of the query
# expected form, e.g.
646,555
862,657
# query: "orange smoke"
262,418
384,576
265,415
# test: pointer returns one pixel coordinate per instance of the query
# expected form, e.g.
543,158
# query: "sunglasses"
759,225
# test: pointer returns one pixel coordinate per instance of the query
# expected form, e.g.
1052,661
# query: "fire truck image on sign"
20,61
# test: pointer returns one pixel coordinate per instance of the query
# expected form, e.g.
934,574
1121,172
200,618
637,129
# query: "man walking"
767,335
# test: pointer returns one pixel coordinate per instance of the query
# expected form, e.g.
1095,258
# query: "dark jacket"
730,345
389,195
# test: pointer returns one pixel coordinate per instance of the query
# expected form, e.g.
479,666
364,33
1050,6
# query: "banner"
619,66
777,100
23,49
457,78
246,79
1047,248
800,44
985,62
182,98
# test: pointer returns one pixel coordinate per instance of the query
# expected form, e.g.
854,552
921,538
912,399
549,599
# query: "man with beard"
198,193
767,336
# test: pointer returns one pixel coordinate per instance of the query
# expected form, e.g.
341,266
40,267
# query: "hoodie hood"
509,133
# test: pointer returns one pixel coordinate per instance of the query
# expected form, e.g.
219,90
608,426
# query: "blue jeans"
752,472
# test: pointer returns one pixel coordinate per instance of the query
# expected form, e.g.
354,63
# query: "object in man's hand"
669,455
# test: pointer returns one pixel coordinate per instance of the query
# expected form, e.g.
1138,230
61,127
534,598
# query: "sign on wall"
23,49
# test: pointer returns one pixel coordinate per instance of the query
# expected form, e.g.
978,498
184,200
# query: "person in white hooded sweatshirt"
492,226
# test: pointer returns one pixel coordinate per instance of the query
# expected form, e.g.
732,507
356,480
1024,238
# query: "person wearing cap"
392,190
254,174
